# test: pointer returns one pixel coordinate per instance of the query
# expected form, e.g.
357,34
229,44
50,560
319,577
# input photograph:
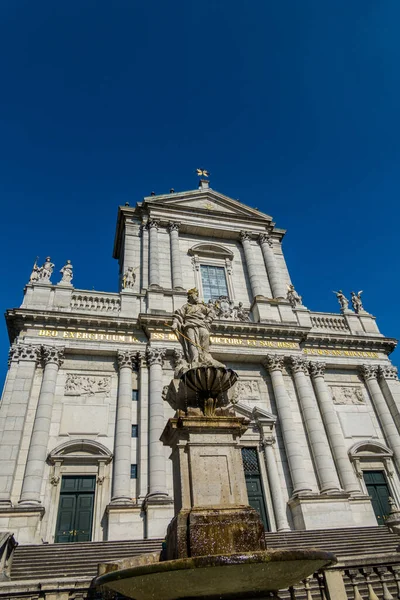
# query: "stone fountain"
215,544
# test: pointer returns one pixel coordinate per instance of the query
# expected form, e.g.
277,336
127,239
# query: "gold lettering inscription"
343,353
85,335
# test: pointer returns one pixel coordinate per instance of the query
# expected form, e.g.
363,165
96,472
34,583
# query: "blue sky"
292,105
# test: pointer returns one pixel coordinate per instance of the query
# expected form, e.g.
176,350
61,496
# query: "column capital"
317,369
155,356
244,236
274,362
264,238
298,364
53,355
24,352
173,226
153,224
388,372
269,440
369,371
128,358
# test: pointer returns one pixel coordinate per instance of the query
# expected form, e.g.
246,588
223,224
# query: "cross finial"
202,173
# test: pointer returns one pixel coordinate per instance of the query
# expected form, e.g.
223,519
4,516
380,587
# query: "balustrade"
99,303
332,323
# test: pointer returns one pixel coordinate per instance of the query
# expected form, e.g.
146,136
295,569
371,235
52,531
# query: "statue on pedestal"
293,297
66,272
344,303
35,273
128,279
357,302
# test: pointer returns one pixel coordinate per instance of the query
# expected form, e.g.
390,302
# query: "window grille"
214,282
250,461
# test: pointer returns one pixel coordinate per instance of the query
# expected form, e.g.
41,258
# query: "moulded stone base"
24,522
328,511
158,517
209,531
125,522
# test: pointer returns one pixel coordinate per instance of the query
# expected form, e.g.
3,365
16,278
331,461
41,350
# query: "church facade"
84,402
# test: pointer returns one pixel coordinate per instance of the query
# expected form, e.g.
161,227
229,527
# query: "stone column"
274,275
23,359
154,277
294,450
254,276
53,357
390,386
121,490
333,429
370,375
176,267
275,484
321,451
157,467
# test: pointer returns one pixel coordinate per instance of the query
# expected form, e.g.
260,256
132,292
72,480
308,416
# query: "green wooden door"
253,483
378,490
75,509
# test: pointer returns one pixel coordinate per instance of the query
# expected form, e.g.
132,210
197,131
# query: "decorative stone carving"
264,238
100,479
173,226
35,273
54,480
369,371
298,364
155,356
357,302
269,440
274,362
347,395
24,352
179,363
192,324
127,358
344,303
388,372
53,355
46,270
293,297
128,279
67,272
225,309
87,385
244,236
246,390
153,223
317,369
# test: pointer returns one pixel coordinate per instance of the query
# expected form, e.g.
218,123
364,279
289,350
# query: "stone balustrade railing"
330,322
96,302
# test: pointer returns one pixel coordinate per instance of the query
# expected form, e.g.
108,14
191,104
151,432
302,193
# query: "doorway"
378,489
75,509
254,484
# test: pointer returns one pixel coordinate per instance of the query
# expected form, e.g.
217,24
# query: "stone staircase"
49,561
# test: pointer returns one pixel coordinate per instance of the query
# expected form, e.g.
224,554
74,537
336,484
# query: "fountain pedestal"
212,515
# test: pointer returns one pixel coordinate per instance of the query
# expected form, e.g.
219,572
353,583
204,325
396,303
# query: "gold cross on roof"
202,173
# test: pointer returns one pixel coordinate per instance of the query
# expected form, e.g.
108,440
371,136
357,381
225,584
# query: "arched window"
212,264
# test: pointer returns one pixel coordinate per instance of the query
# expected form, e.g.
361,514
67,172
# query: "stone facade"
84,390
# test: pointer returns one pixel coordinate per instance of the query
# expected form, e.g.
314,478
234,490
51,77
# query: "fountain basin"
210,381
218,577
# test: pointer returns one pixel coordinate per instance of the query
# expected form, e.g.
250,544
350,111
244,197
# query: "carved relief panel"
87,385
345,394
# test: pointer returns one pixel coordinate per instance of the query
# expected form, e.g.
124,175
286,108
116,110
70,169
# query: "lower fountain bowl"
222,577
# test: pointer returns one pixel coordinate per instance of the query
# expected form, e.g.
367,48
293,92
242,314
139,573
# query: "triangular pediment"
206,201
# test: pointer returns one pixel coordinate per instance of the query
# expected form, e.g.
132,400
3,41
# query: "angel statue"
128,279
344,303
357,302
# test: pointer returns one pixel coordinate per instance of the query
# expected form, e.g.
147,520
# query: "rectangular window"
135,395
134,430
214,282
133,471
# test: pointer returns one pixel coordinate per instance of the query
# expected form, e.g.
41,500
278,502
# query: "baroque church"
84,402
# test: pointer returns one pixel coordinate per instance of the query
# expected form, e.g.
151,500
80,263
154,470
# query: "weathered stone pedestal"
212,515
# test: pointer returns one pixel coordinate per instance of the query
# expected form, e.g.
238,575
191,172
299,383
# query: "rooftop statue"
344,303
293,297
66,272
357,302
129,278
